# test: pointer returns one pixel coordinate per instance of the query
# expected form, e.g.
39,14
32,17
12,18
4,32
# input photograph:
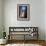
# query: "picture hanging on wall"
23,12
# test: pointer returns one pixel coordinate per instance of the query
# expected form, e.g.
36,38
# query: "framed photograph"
23,12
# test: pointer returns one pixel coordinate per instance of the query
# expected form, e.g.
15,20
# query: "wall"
0,18
45,19
37,15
